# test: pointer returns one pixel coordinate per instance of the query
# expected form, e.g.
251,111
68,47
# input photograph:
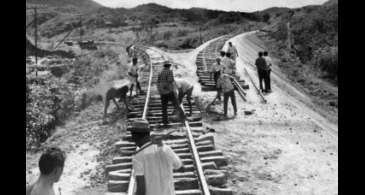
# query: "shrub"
327,61
182,33
167,35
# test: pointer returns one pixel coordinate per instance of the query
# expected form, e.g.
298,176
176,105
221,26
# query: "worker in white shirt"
229,65
133,75
153,166
232,51
184,88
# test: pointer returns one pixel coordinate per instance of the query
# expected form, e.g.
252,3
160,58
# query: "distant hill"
331,2
80,4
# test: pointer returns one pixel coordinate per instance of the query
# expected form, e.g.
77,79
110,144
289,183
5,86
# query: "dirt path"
88,145
248,53
284,147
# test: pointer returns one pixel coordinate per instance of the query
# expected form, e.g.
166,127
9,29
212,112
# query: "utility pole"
289,36
80,28
35,8
35,40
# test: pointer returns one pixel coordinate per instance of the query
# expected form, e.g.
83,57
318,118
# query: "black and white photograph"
182,97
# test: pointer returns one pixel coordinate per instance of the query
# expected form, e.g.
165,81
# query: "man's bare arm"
141,186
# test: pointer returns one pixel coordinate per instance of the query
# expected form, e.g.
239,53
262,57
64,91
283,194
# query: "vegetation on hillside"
315,34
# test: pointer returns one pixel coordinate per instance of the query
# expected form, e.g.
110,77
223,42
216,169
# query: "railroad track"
203,174
206,58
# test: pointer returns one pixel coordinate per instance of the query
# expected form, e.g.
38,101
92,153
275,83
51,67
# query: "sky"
226,5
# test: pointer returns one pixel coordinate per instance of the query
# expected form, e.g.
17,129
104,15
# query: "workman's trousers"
188,98
138,85
262,74
216,76
165,98
230,94
267,81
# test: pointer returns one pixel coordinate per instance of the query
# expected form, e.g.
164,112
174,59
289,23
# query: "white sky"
227,5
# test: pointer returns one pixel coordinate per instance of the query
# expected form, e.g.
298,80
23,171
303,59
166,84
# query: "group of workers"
171,89
223,71
153,166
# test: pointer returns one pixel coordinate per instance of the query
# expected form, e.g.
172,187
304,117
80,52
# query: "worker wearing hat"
153,165
166,88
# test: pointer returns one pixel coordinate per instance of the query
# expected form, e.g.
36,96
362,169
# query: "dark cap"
139,126
167,65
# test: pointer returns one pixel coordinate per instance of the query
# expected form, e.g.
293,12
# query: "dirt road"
284,147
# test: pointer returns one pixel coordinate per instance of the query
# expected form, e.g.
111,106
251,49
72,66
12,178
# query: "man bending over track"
119,90
184,88
153,166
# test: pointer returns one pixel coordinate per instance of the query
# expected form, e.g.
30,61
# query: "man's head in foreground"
51,163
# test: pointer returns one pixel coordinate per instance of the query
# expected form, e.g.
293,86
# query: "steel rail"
198,164
241,92
132,181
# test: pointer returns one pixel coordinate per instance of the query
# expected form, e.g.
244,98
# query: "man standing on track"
216,71
268,71
229,65
225,84
153,166
232,51
132,52
184,88
261,70
133,74
165,85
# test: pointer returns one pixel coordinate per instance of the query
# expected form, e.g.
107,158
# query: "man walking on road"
268,71
165,85
153,166
261,70
225,84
